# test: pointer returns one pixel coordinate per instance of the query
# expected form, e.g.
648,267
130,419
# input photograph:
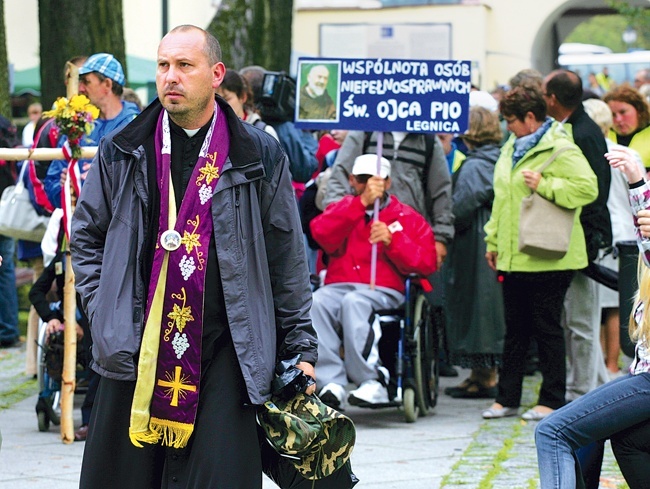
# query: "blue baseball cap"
106,64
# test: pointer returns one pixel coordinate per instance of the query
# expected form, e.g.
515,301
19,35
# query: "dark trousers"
533,308
632,451
223,451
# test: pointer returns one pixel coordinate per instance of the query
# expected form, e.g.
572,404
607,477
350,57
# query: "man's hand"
54,325
64,173
644,222
441,253
308,369
84,171
491,257
379,232
374,190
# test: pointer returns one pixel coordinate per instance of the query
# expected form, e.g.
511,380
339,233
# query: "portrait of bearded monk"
315,102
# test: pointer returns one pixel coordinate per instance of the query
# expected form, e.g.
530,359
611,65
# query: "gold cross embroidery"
176,386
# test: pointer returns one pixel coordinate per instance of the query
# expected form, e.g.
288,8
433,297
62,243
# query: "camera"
277,100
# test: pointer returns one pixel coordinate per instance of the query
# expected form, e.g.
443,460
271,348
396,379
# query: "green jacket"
568,181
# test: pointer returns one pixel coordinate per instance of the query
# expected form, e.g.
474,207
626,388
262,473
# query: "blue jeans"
597,415
8,293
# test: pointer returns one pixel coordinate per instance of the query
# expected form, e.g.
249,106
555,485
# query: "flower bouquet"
74,118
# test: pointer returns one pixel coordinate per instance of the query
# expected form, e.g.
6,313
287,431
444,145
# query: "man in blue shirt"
101,79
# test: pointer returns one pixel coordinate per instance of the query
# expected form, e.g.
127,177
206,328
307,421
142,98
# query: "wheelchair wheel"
410,405
43,421
425,355
48,409
40,356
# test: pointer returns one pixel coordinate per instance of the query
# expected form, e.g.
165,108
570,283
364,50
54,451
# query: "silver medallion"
170,240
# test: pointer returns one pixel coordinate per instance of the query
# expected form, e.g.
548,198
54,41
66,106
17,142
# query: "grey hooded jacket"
424,185
260,250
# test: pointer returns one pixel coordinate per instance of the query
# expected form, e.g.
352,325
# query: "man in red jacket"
342,308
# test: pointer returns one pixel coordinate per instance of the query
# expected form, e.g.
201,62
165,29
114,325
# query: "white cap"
483,99
367,165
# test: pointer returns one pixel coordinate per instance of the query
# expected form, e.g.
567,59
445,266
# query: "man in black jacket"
586,369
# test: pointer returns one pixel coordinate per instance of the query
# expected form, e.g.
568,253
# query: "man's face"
185,80
34,112
639,79
317,80
358,183
93,88
550,100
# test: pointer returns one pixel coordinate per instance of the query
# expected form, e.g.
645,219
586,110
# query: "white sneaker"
369,392
333,395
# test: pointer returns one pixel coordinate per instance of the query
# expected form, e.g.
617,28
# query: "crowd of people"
212,240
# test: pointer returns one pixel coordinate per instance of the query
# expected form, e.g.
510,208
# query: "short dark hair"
116,88
254,75
566,86
521,100
237,84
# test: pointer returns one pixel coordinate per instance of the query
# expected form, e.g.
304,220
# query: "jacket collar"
242,148
576,114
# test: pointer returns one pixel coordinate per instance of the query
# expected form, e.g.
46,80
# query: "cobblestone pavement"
453,447
502,454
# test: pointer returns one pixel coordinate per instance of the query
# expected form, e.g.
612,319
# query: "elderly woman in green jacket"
534,287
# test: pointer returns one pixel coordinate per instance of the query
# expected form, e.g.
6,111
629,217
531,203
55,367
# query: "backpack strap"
260,124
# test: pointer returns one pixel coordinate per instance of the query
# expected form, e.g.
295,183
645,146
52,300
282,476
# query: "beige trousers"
31,360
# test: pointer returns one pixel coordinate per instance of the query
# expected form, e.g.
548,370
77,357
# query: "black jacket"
595,218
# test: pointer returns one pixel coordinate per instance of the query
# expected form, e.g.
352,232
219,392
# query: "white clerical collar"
191,132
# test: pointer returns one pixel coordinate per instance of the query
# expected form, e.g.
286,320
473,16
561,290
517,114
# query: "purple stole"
169,369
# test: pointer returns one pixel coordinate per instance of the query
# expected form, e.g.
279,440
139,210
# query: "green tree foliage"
229,26
638,18
607,30
254,32
279,29
106,29
60,41
5,100
89,26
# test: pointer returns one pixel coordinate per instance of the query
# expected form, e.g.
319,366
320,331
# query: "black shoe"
10,342
82,433
474,391
462,386
445,370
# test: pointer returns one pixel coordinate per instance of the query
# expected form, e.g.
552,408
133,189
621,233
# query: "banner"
383,94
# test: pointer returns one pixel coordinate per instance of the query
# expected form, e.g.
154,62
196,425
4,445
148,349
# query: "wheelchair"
408,349
48,374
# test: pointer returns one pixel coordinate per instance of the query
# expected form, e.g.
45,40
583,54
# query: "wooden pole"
69,379
18,154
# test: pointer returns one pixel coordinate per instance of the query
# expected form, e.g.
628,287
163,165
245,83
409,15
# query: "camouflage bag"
316,438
